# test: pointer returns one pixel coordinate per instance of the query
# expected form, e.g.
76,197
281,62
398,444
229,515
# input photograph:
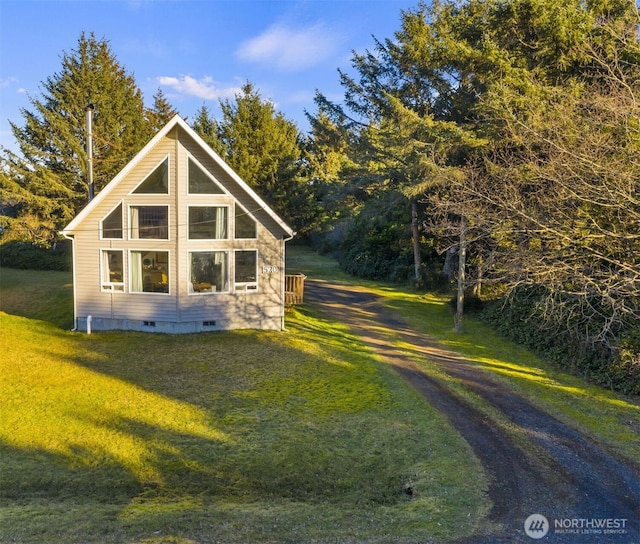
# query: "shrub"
26,255
516,319
626,367
377,244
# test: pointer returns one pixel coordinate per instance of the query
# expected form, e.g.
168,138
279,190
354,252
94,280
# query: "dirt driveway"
552,470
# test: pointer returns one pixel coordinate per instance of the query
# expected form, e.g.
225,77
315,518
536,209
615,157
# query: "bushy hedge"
617,368
25,255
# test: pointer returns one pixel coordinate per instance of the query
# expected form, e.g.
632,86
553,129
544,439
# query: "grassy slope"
30,293
224,437
247,436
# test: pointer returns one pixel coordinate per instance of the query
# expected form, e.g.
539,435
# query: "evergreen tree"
450,91
161,112
261,144
403,124
264,148
328,164
207,128
51,173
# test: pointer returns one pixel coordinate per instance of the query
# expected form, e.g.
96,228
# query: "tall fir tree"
161,112
261,144
207,128
264,148
52,139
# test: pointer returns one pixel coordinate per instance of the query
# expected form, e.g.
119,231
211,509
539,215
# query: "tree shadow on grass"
240,413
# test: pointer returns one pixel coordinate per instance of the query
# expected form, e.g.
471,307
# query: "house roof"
176,121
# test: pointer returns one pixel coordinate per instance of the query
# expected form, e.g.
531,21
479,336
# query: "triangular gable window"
245,225
157,182
112,223
200,183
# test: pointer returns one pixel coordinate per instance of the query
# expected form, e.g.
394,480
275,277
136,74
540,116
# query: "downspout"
74,267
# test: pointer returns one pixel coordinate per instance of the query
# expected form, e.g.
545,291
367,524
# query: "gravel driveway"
581,493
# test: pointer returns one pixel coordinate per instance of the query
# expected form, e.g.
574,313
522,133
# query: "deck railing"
294,289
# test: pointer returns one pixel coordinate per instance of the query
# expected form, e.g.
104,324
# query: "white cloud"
291,49
7,82
205,88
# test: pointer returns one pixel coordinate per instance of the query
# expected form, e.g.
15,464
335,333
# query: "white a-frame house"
178,243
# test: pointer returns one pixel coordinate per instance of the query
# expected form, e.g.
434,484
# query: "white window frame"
136,229
136,281
249,286
106,284
122,229
191,288
238,205
227,226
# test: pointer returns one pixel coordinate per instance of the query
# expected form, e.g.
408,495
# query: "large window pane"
208,223
149,222
149,271
246,268
209,271
157,182
112,270
245,225
200,183
112,224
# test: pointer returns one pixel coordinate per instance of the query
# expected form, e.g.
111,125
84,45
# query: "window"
200,183
246,275
245,225
157,182
149,222
112,224
209,271
149,271
112,270
208,223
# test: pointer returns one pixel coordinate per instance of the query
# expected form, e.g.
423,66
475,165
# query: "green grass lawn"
247,436
296,436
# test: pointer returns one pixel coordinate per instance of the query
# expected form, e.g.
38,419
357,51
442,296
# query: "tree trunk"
477,289
462,257
415,233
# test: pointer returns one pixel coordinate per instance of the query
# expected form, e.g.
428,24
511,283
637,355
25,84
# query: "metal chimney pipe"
88,120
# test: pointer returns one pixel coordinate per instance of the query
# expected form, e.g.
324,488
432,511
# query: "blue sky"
196,51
